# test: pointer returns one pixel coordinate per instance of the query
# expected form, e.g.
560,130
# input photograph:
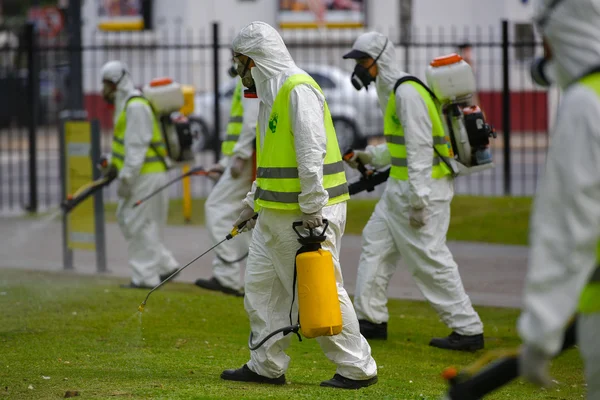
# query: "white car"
356,114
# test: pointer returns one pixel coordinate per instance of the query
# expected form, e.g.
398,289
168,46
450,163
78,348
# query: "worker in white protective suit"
139,154
300,177
564,274
224,203
411,219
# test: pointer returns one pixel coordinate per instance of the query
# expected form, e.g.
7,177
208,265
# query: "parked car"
356,114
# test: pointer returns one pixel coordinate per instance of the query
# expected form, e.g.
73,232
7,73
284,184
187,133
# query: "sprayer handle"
297,224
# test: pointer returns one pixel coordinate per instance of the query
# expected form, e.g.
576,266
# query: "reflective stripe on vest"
278,185
394,135
157,151
589,301
236,119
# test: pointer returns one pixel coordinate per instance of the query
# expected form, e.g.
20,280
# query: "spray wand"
199,171
234,232
90,188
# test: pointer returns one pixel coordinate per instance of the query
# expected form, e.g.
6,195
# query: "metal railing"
34,88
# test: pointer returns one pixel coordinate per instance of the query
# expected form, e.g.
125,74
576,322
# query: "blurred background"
51,52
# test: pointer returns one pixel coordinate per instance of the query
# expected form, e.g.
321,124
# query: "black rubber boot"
244,374
132,285
373,331
168,274
339,382
214,284
455,341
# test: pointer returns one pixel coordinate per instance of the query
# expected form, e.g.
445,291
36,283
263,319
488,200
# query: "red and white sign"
49,21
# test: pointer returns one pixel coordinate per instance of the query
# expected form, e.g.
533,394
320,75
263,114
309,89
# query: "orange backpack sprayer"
319,312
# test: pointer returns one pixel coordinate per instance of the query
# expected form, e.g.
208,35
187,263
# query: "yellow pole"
187,196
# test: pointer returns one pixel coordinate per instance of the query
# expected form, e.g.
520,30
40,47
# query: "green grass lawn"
62,332
475,219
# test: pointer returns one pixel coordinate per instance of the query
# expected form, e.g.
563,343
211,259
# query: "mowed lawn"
503,220
63,332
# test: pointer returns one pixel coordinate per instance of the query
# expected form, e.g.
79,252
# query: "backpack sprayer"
234,232
170,102
319,311
492,371
452,84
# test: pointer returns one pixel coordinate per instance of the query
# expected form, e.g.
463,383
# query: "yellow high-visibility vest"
157,151
394,136
236,121
277,182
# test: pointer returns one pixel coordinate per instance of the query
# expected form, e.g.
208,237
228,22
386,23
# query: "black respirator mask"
542,69
232,72
361,77
247,79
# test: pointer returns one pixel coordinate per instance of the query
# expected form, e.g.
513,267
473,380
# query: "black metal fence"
35,79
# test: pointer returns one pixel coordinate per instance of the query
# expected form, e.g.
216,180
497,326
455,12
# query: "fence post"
98,199
33,99
217,105
75,55
506,107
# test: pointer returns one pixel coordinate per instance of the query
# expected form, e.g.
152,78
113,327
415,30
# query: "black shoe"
454,341
339,382
244,374
373,331
132,285
168,274
214,284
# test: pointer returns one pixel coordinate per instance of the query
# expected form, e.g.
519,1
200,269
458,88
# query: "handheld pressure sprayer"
319,311
198,171
89,189
492,371
234,232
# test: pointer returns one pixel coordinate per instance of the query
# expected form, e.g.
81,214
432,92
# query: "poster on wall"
119,15
310,14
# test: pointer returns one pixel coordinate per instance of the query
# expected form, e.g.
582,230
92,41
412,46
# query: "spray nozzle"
237,229
311,238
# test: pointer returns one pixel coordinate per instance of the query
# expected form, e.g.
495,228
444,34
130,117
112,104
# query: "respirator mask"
361,77
243,70
543,69
109,89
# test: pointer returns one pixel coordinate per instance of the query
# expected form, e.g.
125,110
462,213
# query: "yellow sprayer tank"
318,303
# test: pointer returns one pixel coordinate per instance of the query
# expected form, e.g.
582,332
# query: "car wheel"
346,133
201,135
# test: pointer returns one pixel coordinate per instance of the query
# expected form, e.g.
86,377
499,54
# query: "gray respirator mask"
361,77
108,92
542,72
244,72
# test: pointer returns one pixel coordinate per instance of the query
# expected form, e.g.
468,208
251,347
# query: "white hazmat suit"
270,265
389,234
565,225
224,203
142,226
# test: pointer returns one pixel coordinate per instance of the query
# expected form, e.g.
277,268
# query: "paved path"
492,274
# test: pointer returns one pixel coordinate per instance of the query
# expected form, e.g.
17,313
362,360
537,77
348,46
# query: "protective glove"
311,221
215,172
237,166
103,164
364,157
534,366
246,215
123,189
417,217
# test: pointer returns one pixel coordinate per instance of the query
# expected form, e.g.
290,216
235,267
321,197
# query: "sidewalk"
493,275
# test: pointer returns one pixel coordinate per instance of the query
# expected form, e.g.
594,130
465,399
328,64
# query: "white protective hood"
573,33
263,44
117,72
373,44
